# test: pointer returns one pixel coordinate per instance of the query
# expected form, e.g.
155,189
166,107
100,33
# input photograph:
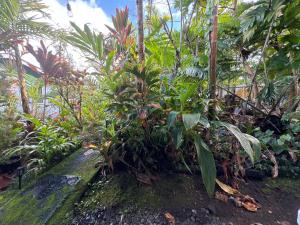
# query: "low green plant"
44,145
159,123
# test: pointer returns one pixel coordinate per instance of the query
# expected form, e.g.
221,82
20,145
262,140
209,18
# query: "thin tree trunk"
149,16
22,83
251,74
45,98
141,52
139,4
181,29
213,37
294,92
235,4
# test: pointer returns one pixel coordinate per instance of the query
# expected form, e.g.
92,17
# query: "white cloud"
83,12
162,6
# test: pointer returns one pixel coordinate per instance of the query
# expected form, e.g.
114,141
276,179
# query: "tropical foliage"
219,94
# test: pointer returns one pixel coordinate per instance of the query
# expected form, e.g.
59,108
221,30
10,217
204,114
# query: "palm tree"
18,20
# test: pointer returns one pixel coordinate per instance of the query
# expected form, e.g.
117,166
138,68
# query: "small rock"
193,218
204,211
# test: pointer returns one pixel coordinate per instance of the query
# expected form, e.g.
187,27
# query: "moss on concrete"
123,190
27,208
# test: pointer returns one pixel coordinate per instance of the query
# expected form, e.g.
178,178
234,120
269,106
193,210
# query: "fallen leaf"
247,198
170,218
91,146
226,188
220,196
238,202
250,206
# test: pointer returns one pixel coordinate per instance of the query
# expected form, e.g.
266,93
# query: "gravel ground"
103,216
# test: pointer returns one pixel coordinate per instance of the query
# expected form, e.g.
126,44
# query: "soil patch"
121,200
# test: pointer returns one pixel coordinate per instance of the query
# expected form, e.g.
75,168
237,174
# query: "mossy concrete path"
47,200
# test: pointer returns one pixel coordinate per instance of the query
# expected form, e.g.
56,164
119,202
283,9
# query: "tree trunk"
234,5
22,83
149,16
254,84
213,37
140,21
181,29
139,5
45,97
293,93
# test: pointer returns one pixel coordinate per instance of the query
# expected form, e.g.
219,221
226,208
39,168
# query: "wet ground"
116,202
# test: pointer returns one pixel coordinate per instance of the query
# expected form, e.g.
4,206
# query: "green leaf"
204,121
244,139
190,120
185,164
255,145
172,118
177,135
109,61
207,164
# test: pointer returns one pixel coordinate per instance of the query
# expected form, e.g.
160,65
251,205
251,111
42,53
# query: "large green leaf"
255,145
177,135
88,41
246,141
171,118
190,120
207,164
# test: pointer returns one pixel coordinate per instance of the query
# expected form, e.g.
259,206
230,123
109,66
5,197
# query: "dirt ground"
279,199
115,202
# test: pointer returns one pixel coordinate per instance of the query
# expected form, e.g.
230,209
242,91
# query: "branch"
247,102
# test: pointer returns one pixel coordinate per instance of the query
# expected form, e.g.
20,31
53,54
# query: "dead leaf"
91,146
238,198
238,202
250,206
226,188
170,218
225,166
220,196
247,198
274,161
240,162
154,105
294,155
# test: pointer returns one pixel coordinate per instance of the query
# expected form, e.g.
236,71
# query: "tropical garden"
186,117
